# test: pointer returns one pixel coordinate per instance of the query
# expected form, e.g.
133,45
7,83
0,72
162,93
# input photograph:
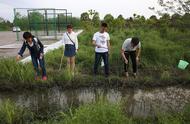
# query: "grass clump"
98,113
12,114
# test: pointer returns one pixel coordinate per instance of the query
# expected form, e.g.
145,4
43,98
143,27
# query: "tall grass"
99,112
12,114
159,54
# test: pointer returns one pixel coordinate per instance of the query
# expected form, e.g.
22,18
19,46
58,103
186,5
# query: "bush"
98,113
12,114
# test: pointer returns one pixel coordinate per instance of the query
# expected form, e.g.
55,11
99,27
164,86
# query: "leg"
126,66
106,63
35,64
72,60
68,63
97,61
42,65
134,62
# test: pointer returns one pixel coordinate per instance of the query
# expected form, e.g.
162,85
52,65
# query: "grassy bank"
158,64
100,112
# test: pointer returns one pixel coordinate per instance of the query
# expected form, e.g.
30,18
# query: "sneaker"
126,74
73,74
44,78
107,75
37,78
134,75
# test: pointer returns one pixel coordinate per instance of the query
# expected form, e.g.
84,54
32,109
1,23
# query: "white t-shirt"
127,46
73,37
101,39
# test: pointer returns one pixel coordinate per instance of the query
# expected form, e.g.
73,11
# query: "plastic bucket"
183,64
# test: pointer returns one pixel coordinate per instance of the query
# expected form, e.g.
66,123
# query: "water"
136,102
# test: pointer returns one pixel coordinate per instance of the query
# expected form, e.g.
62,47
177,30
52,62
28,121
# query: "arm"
109,45
20,53
138,52
23,48
108,40
94,41
123,52
63,39
76,43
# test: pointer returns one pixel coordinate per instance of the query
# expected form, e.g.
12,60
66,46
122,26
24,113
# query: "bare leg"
72,60
68,63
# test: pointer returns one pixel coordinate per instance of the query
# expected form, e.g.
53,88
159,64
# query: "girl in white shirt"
70,41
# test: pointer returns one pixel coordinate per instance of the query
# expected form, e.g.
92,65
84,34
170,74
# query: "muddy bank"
91,81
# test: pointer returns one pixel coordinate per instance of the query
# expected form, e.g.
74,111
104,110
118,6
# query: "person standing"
101,41
36,50
70,41
131,48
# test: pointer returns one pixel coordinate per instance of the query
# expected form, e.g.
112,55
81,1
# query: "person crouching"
36,50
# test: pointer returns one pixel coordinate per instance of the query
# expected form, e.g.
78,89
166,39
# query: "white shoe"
127,74
135,75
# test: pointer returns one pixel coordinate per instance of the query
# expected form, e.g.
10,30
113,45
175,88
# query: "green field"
158,64
164,42
100,112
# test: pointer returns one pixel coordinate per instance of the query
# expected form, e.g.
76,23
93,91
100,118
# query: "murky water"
136,102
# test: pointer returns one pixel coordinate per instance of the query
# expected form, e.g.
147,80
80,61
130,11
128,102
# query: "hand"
126,61
41,55
137,59
99,46
18,57
77,50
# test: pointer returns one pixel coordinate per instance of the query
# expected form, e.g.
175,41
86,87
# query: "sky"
115,7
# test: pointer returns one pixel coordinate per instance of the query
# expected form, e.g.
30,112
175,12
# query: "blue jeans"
105,57
35,61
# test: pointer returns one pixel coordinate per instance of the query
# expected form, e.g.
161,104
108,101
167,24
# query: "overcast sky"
115,7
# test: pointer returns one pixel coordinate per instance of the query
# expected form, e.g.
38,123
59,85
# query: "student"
131,48
101,41
36,50
71,47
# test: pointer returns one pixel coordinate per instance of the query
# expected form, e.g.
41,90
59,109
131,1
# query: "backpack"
36,44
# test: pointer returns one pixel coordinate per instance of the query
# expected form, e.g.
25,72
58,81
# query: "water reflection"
136,102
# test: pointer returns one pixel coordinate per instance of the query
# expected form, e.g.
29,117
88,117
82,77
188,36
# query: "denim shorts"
70,50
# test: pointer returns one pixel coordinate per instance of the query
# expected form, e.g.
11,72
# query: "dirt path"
9,47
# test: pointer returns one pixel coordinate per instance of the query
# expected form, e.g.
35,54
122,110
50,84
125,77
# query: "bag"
36,44
183,64
71,40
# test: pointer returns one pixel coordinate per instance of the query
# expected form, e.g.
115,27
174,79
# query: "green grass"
12,114
99,112
159,59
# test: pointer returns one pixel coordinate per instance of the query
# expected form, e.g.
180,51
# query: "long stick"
61,61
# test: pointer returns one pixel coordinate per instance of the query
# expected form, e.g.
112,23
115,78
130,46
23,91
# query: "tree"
174,6
96,19
109,19
186,21
21,21
35,19
176,20
86,21
5,24
120,22
152,21
85,17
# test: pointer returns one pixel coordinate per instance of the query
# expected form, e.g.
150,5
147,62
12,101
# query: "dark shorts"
70,50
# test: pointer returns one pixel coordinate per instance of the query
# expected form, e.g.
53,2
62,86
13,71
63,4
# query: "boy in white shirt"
101,41
131,47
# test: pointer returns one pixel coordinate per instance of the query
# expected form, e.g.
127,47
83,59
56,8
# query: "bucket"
183,64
